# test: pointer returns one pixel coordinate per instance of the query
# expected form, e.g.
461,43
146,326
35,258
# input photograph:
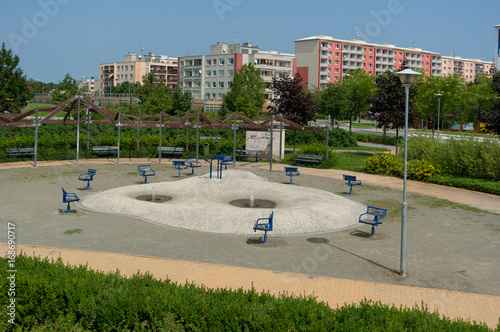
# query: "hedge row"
51,295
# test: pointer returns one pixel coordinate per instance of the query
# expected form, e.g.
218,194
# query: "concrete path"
334,291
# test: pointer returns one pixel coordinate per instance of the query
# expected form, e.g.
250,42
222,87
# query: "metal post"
138,125
119,126
36,136
197,134
78,131
159,143
439,109
271,148
235,127
88,131
281,140
404,215
327,128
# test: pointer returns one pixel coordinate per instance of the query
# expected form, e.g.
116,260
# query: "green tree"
154,97
181,102
293,101
247,92
389,103
492,116
15,92
64,90
347,98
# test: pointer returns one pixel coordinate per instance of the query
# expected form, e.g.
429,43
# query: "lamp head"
407,77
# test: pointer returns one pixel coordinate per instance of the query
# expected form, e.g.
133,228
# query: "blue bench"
171,150
309,158
68,198
250,154
20,152
291,172
351,181
264,226
372,217
146,171
193,163
89,176
105,150
180,164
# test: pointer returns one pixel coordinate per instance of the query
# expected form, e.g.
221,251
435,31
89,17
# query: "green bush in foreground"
52,296
384,163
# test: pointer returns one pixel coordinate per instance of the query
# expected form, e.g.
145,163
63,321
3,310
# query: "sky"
55,37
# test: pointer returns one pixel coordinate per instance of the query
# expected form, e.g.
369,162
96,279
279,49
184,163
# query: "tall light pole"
439,109
407,78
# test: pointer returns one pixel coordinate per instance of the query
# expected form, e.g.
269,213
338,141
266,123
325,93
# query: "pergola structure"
80,103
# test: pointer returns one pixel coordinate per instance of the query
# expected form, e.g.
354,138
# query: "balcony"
324,48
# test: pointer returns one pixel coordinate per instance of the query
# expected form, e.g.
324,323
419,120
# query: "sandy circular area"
202,204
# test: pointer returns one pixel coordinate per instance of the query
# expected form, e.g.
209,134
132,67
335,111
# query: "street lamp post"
439,109
407,78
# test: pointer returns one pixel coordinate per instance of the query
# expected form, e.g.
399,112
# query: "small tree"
154,97
247,92
64,90
293,101
492,116
389,103
15,92
181,102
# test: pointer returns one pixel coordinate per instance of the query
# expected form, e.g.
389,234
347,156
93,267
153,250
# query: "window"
230,61
207,84
214,84
369,65
209,62
221,73
336,70
221,84
181,84
336,62
214,73
337,46
364,49
132,76
208,73
221,62
329,62
336,78
126,67
230,73
370,50
126,76
131,67
370,58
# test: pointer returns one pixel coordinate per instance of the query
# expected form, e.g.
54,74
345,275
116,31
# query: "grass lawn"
350,161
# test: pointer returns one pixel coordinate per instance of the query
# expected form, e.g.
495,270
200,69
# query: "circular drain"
158,198
257,204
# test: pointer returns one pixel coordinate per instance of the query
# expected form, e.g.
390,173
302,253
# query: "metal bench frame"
146,171
68,198
105,150
20,152
291,172
89,176
372,217
351,181
193,163
171,150
250,154
309,158
180,165
264,226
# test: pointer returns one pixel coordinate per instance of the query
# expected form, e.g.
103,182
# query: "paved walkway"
334,291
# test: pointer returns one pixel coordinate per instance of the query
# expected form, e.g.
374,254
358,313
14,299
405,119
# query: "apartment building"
134,67
324,59
210,76
467,69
